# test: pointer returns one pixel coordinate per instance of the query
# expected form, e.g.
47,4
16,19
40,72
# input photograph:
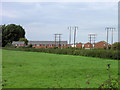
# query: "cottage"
18,43
101,44
48,44
79,45
88,45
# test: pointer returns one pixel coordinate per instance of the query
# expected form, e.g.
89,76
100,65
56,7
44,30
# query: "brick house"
69,45
88,45
47,44
18,43
101,44
79,45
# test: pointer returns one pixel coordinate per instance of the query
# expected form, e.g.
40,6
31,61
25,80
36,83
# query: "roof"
47,42
18,42
88,43
102,41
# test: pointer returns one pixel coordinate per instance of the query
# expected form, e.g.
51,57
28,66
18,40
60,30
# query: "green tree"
11,33
0,35
116,46
25,40
4,42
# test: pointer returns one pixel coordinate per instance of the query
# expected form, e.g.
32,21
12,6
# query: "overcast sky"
41,20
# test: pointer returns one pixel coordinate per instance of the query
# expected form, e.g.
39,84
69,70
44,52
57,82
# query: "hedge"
109,54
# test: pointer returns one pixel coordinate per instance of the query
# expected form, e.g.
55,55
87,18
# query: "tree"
0,35
2,28
116,46
25,40
30,46
11,33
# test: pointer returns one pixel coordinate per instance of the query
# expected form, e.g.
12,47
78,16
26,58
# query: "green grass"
42,70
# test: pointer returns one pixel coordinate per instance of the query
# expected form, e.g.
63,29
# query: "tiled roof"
47,42
18,42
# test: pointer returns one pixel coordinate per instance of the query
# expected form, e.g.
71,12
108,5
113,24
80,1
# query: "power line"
109,29
70,28
59,40
75,28
113,29
92,39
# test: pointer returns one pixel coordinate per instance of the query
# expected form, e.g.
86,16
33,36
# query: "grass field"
42,70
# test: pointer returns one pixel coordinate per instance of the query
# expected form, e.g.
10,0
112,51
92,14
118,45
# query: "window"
50,45
104,45
88,45
37,45
43,44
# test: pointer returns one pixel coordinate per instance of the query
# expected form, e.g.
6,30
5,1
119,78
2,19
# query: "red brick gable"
101,44
88,45
79,45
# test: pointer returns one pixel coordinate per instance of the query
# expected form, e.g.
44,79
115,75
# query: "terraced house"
18,43
101,45
61,44
48,44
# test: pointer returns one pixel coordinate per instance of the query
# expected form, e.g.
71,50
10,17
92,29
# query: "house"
18,43
88,45
72,45
48,44
79,45
101,44
69,45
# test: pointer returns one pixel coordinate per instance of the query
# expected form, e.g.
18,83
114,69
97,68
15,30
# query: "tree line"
13,32
10,33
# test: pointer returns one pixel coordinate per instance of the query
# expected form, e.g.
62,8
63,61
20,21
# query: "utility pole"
92,38
70,34
55,39
107,28
59,40
112,35
75,28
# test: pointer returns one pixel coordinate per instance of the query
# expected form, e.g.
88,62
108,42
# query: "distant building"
48,44
18,43
69,45
88,45
79,45
101,44
63,44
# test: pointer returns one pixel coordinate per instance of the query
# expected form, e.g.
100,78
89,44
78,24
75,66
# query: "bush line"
107,54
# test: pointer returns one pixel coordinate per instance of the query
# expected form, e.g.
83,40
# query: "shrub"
116,46
30,46
101,53
110,83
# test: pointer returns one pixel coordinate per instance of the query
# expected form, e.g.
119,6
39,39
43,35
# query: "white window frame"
37,45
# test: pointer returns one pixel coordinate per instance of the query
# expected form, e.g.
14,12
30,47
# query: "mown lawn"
42,70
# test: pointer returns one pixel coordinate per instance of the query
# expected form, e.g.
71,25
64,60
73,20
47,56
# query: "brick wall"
79,45
101,44
88,46
19,45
